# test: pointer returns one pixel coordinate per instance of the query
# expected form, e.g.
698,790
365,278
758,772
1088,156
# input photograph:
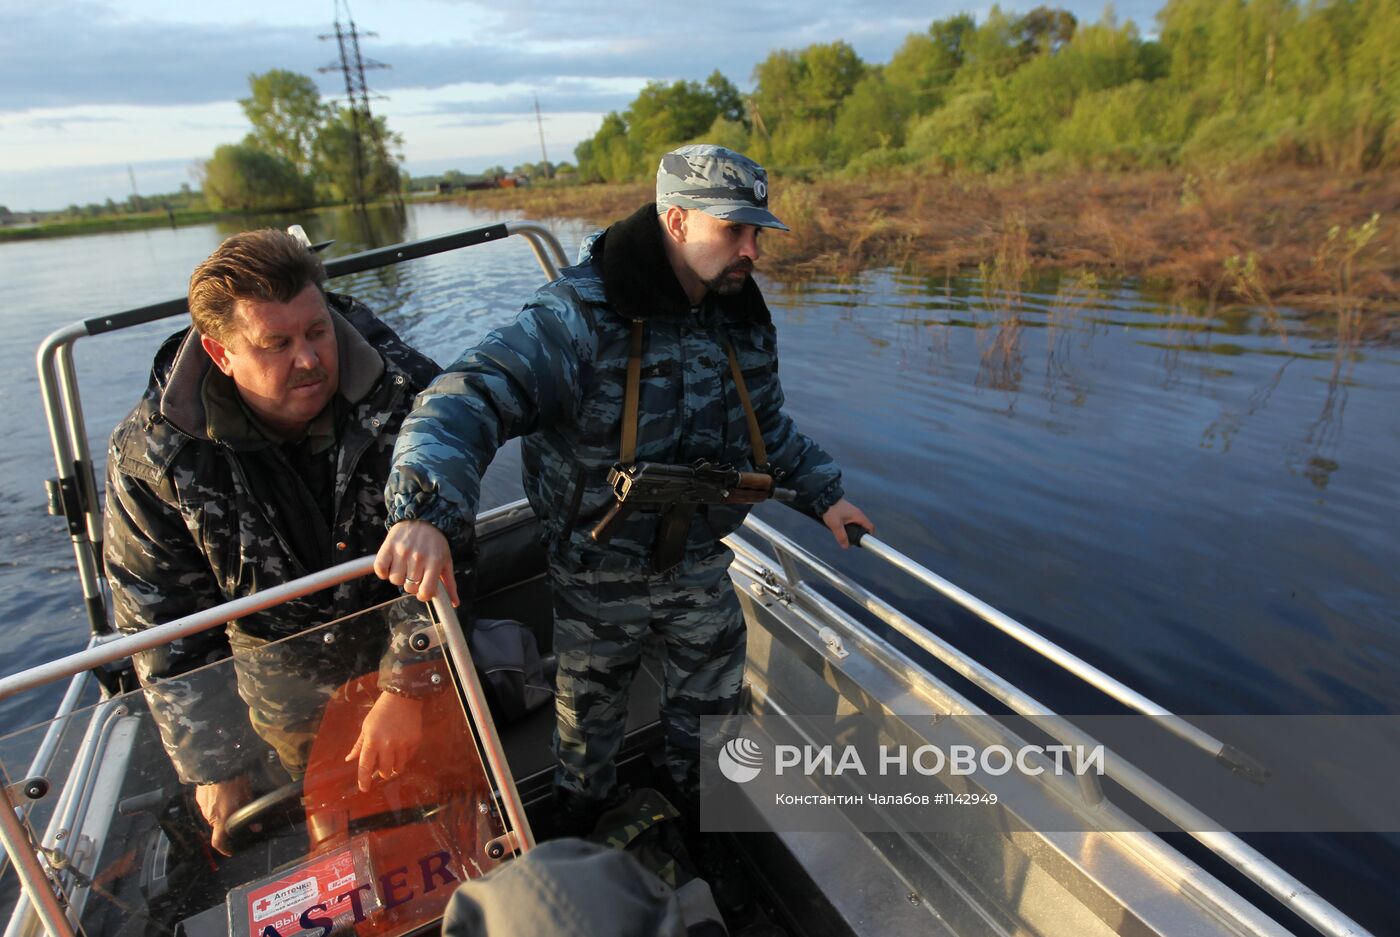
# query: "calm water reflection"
1201,502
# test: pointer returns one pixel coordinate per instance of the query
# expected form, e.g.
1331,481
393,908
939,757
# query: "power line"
353,65
544,157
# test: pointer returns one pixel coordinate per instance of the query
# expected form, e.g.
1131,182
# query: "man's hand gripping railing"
659,486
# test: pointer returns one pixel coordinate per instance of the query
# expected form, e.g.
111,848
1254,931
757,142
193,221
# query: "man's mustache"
307,376
739,266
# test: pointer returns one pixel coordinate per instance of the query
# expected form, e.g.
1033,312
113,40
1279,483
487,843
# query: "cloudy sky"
89,88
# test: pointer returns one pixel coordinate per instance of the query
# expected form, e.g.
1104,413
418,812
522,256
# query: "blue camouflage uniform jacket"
557,377
188,525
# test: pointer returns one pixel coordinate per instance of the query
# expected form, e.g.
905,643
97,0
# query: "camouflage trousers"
600,620
288,684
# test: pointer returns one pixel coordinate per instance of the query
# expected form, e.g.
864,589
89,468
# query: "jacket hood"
638,279
182,402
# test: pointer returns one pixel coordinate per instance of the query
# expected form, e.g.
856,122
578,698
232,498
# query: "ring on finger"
408,579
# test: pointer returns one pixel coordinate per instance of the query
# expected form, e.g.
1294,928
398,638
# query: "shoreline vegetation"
1319,241
1313,240
105,225
142,221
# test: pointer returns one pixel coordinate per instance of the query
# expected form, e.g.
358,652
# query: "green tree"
1042,93
534,171
927,62
725,132
990,51
1045,30
959,132
286,112
1228,82
607,156
729,103
662,117
873,116
241,177
583,155
336,157
1138,125
797,98
806,85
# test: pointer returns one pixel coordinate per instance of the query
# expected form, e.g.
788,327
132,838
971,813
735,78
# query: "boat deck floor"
528,743
835,895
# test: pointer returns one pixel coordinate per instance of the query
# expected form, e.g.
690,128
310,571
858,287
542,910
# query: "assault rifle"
667,487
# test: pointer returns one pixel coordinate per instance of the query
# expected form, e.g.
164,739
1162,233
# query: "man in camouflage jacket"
556,377
222,483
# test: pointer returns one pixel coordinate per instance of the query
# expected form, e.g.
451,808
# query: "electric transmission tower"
365,138
544,157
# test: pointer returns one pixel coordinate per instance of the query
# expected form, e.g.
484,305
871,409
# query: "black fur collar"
640,283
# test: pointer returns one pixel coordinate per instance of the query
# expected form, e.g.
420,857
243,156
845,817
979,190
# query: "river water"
1203,503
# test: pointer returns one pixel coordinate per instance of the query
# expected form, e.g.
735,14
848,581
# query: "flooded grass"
106,225
1224,238
1069,329
1003,279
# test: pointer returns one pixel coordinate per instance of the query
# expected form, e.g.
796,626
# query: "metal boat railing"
48,747
40,890
787,579
74,493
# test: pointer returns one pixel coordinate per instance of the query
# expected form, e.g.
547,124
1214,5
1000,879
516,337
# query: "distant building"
475,183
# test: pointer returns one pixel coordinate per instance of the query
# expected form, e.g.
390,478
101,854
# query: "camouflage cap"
717,181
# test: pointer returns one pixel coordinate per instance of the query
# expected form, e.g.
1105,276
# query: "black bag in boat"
512,672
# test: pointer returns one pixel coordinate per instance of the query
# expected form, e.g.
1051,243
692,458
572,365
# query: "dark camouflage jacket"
188,525
557,376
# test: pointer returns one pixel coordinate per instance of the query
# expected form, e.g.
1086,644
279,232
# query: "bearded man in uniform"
667,292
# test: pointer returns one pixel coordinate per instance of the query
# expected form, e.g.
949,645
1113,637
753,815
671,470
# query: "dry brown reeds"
596,204
1002,281
1066,321
1337,259
1194,233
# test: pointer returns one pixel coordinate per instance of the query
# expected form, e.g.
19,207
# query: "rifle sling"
674,528
630,405
760,451
628,455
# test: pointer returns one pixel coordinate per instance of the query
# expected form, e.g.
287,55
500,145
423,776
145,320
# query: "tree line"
1226,82
186,199
301,151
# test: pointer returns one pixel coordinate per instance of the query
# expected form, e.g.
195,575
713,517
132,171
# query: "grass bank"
63,229
147,220
1303,239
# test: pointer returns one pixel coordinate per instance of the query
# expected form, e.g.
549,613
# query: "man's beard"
727,283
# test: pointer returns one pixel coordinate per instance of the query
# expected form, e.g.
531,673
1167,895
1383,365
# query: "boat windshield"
323,842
